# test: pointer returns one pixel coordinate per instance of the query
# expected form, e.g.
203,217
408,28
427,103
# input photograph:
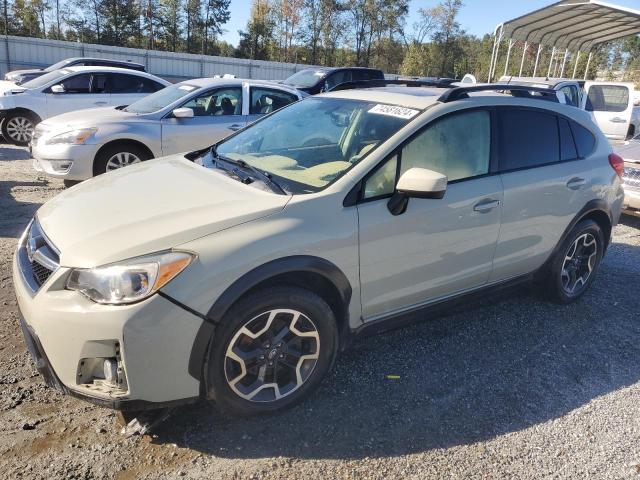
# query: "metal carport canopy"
570,25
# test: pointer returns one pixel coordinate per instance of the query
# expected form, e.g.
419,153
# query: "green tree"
257,40
216,14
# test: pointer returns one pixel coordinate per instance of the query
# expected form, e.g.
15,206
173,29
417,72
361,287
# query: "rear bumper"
631,202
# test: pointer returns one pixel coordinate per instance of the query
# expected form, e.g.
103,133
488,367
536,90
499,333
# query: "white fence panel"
26,52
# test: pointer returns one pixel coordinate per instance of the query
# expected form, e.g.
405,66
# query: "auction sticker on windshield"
394,111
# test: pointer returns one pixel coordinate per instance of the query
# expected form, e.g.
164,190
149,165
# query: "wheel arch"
596,210
314,273
24,111
120,141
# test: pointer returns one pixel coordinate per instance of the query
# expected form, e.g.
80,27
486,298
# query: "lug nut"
282,355
270,364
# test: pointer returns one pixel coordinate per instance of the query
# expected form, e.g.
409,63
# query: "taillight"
617,163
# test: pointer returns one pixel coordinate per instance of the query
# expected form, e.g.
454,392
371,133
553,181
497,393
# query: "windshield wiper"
265,176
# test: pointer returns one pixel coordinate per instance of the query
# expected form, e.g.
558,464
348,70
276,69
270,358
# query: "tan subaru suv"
238,272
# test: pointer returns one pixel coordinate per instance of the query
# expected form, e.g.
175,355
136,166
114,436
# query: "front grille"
37,256
631,177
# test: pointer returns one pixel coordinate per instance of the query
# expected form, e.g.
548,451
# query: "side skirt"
435,307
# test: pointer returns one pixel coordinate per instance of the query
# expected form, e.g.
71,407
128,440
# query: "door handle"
485,206
575,183
235,127
617,120
100,103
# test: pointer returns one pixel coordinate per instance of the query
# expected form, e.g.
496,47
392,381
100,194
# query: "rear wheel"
119,156
271,350
17,128
574,265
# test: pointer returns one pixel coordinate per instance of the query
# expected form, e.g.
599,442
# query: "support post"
506,64
535,66
553,54
586,70
575,65
497,38
564,62
524,52
6,49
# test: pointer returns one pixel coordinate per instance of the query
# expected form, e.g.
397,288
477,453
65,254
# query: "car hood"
629,151
86,118
26,71
146,208
7,88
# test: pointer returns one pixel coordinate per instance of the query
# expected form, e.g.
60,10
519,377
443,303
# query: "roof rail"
383,83
458,93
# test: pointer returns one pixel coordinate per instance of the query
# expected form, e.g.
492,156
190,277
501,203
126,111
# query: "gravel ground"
510,386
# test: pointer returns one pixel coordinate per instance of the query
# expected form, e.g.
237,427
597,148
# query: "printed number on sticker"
394,111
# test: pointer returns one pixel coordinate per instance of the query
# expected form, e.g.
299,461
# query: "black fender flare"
274,268
593,206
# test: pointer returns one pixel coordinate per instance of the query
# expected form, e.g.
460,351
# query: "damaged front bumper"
51,379
73,340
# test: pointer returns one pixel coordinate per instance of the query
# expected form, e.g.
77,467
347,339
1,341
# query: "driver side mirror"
182,112
418,183
57,89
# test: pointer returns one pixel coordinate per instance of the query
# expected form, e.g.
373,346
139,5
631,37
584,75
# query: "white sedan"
66,90
186,116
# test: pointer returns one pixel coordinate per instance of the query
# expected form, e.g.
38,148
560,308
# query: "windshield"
160,99
42,80
58,65
305,78
309,144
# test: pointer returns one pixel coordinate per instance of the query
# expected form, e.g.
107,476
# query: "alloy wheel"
272,355
579,262
20,129
121,159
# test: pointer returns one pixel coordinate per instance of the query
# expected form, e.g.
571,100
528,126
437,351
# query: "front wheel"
118,156
17,128
574,265
271,350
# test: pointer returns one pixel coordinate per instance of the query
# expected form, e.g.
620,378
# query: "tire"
575,264
17,127
70,183
118,156
239,390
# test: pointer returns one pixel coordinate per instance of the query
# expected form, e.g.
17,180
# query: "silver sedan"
186,116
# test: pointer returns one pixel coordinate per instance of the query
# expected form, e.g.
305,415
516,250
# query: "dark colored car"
322,79
22,76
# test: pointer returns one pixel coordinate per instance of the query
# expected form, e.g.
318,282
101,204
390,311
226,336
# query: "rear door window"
122,83
607,98
267,100
337,78
527,138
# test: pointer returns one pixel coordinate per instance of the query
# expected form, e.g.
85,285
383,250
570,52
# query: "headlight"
129,281
74,137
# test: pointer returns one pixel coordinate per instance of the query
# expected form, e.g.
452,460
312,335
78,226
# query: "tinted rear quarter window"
585,141
527,138
567,145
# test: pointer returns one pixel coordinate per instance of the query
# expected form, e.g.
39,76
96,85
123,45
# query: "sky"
476,17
